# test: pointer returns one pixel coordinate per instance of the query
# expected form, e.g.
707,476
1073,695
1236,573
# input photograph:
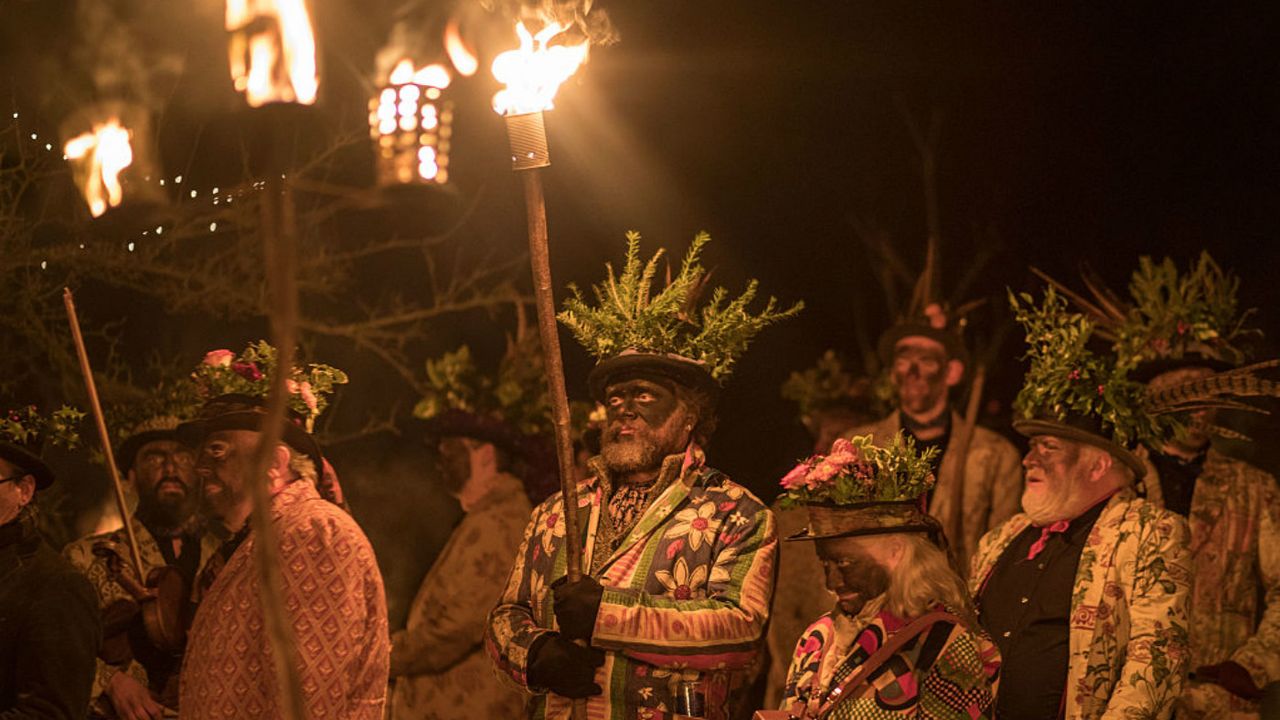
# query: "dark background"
1070,133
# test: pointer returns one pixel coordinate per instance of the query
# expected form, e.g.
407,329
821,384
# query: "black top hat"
236,411
28,460
461,423
163,427
631,363
1080,428
949,338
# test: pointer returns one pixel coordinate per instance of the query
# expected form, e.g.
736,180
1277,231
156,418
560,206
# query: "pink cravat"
1045,532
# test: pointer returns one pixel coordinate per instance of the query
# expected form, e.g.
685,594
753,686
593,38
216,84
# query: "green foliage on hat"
825,385
858,471
27,426
1191,313
1067,379
250,373
629,316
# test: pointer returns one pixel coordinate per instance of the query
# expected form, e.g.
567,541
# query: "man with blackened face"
171,535
979,483
646,421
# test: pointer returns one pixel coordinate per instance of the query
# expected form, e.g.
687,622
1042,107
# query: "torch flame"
107,152
534,72
272,51
463,59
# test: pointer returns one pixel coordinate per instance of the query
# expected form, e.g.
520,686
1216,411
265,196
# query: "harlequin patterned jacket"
1235,597
946,672
992,482
335,601
1128,626
686,593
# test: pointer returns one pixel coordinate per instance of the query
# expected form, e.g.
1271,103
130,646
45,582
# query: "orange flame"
272,51
534,72
462,57
105,153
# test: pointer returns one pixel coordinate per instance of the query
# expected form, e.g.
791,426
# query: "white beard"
1049,505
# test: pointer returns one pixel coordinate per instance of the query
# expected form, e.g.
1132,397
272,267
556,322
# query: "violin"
150,625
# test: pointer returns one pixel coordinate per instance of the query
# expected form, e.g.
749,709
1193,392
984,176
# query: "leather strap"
891,645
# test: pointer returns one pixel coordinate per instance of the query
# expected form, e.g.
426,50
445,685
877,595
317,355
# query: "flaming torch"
532,74
110,155
272,51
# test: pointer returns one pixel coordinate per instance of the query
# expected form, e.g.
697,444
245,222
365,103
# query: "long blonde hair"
923,579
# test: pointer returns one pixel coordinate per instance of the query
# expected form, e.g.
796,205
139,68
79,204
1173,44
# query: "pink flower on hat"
795,479
219,358
823,474
937,318
246,370
304,389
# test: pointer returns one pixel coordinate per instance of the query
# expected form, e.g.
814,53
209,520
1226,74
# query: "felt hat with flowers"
234,389
633,331
25,433
863,489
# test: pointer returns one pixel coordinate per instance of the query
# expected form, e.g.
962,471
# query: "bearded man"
669,614
141,679
1086,591
332,589
926,359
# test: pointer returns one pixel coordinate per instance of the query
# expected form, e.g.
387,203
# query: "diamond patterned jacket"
686,593
334,596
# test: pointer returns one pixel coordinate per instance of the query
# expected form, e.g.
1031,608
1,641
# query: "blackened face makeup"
645,422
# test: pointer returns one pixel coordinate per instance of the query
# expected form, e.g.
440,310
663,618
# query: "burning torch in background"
532,73
110,152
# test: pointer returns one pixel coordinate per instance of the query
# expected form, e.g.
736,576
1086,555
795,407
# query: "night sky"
1068,134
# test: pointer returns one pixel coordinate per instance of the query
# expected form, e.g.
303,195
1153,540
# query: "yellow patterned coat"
1128,625
80,554
1235,598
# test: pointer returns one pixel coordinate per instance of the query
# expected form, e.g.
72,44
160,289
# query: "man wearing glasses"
135,680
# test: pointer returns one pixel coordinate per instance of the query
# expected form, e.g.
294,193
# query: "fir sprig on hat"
223,372
1066,379
825,385
857,471
1178,314
26,426
630,316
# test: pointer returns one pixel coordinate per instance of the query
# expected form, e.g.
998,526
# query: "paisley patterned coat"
1128,626
992,490
334,596
686,593
438,660
947,672
1235,597
80,554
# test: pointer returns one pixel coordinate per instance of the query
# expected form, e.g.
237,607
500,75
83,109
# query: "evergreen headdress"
154,417
826,386
1171,319
632,329
862,489
25,432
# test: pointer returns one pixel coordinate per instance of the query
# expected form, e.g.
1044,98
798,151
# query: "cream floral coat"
992,490
686,594
1235,598
1129,625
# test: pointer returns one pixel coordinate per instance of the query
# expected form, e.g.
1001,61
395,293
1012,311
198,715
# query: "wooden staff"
103,435
964,437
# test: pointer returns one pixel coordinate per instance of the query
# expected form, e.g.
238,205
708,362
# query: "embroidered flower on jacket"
680,582
697,525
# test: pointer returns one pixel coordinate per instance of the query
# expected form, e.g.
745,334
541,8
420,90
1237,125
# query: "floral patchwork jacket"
686,593
1235,597
1128,627
948,672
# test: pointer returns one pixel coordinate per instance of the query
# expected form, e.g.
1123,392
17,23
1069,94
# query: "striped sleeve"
720,631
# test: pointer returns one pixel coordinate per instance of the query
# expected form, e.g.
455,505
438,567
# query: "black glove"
564,668
576,606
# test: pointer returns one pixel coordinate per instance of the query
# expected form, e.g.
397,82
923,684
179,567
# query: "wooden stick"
964,437
540,260
280,253
103,435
